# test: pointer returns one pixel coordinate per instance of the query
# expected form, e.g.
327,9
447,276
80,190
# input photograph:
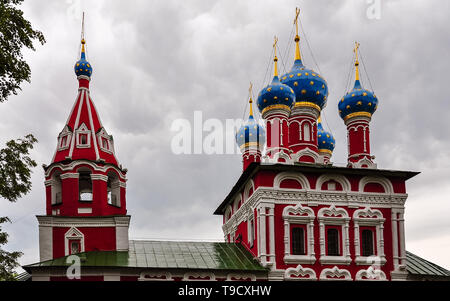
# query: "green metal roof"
419,266
168,255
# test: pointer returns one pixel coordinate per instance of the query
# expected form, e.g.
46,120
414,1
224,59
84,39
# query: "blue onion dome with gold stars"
83,67
359,101
310,87
276,95
251,134
325,140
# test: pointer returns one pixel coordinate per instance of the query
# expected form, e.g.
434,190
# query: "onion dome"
275,95
83,67
309,87
359,101
251,134
325,140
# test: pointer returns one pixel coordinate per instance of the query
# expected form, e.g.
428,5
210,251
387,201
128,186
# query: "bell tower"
85,184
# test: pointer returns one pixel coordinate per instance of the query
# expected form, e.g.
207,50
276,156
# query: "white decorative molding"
335,274
287,196
67,134
70,175
383,181
345,183
365,161
299,177
336,217
250,185
83,130
155,276
299,273
299,215
73,234
95,167
371,274
198,276
241,277
102,134
374,218
99,177
306,152
61,221
86,210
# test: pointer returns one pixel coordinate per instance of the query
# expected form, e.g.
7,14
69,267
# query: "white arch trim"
300,273
345,183
387,185
299,177
335,274
371,274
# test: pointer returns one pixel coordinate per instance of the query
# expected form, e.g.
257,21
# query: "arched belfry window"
85,185
113,189
56,188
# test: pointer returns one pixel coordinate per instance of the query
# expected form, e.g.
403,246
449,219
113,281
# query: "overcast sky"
155,61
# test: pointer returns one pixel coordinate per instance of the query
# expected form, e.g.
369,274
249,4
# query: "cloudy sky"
156,61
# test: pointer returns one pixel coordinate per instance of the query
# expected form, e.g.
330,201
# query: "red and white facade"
85,186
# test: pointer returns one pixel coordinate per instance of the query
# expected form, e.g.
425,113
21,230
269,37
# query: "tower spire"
83,50
275,59
297,37
355,50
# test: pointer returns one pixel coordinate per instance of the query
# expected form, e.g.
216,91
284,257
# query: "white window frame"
65,133
83,130
370,218
73,234
332,216
299,215
103,134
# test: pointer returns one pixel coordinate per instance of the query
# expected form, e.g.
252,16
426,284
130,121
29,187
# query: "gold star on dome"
284,77
306,73
303,91
317,92
269,89
311,83
281,88
299,74
265,100
313,74
348,106
359,103
291,76
275,97
364,94
353,95
295,84
369,104
323,86
286,99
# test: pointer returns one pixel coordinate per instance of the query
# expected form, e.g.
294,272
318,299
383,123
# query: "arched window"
113,189
306,132
56,188
333,242
85,185
298,241
367,242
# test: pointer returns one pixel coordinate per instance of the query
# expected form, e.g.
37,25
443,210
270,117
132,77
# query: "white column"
394,239
272,234
262,234
322,239
402,239
311,238
357,248
287,250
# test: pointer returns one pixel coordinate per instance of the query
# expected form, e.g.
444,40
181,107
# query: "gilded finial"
355,50
297,37
250,92
319,120
275,59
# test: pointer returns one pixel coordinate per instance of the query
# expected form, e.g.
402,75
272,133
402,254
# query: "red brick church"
292,214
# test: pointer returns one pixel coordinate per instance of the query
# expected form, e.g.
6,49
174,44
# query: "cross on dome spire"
297,37
251,99
275,59
355,50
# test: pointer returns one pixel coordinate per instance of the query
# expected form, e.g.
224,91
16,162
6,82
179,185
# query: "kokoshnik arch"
297,214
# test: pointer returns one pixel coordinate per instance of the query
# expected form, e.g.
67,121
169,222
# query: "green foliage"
8,260
15,168
15,33
15,181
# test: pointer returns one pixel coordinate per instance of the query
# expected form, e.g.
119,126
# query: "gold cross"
297,13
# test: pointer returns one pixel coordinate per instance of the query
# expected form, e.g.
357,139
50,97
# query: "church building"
291,215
